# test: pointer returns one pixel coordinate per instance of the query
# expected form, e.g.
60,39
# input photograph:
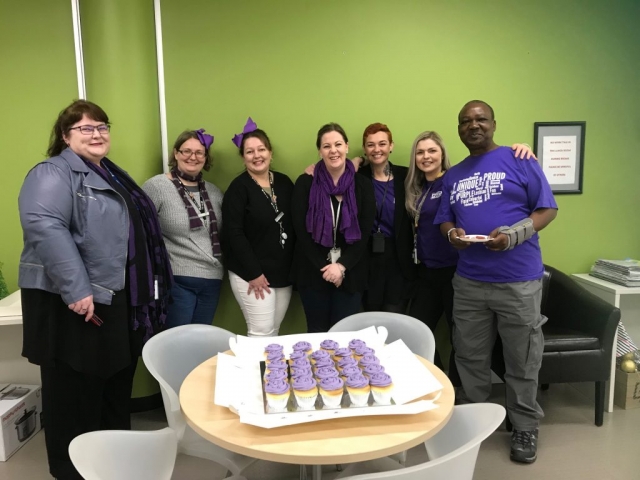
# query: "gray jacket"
75,230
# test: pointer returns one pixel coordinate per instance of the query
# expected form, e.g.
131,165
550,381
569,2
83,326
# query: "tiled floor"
570,447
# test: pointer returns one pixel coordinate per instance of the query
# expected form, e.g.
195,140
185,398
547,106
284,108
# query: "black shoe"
524,446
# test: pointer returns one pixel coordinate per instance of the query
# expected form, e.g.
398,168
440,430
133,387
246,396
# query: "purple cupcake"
324,362
326,372
381,388
361,351
341,353
273,347
350,370
302,346
275,375
355,343
319,354
300,363
369,360
329,346
296,355
358,389
281,365
274,356
306,391
331,390
301,372
277,393
347,362
372,369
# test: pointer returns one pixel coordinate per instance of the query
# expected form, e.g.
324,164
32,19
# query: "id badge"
334,255
377,242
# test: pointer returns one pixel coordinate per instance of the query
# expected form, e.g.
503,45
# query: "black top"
402,225
310,256
251,236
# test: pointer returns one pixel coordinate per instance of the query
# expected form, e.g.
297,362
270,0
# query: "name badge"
436,195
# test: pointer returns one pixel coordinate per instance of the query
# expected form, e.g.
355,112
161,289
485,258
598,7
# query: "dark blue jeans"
194,300
325,308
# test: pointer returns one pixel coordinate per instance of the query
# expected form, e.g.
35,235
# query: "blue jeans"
194,300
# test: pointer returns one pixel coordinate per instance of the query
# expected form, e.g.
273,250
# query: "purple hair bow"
205,138
250,126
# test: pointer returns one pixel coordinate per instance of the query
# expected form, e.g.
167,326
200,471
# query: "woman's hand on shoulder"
83,307
523,151
258,286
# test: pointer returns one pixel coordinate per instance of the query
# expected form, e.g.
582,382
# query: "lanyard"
335,217
419,207
274,204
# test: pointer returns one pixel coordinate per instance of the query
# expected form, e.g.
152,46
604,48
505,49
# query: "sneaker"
524,446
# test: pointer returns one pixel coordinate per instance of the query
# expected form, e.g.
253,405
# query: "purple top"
277,387
324,362
325,372
281,365
301,347
350,370
329,345
275,375
342,352
318,354
273,347
357,381
306,382
484,192
296,355
385,212
380,380
301,372
373,368
355,343
369,360
364,350
347,362
301,363
434,250
275,356
331,383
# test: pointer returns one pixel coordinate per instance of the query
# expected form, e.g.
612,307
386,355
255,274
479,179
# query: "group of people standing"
131,260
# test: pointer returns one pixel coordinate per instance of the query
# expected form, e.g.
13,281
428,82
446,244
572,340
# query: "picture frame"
559,147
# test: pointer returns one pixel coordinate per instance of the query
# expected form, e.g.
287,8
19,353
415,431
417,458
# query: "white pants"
263,316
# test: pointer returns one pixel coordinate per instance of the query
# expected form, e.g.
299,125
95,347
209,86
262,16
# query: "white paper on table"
252,348
235,384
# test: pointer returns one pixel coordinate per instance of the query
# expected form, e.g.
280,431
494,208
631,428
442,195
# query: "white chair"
170,356
125,455
452,451
415,334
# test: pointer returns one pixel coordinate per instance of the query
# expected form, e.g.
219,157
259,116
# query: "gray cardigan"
189,250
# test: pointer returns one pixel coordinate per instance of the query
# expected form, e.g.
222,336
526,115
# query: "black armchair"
578,337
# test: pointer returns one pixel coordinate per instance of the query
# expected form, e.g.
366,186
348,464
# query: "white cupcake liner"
331,401
306,403
381,398
359,399
277,404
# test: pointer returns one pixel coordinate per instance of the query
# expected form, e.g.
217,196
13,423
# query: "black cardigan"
250,234
310,256
402,221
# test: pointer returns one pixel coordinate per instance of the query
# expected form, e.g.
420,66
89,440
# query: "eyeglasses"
89,129
187,153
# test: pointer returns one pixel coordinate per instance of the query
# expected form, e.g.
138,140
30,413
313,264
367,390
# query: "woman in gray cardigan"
190,215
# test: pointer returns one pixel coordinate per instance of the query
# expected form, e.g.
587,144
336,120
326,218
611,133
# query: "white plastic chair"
170,356
125,455
415,334
453,451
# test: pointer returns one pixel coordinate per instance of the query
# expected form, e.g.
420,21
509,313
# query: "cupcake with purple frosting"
275,375
300,372
326,372
277,393
319,354
381,388
280,365
341,353
350,370
329,346
296,355
355,343
274,357
346,362
300,363
331,390
273,347
361,351
368,360
323,362
358,389
372,369
306,391
302,346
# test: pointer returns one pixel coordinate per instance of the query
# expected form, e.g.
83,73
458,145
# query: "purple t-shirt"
434,250
488,191
384,211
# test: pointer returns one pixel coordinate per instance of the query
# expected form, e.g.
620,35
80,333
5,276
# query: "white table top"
605,285
11,310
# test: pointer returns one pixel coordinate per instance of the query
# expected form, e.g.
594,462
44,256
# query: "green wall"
295,64
38,79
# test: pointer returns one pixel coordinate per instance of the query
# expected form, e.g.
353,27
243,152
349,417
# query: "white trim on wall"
77,40
161,92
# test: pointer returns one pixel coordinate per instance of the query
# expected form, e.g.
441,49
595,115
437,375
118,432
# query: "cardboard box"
20,416
626,393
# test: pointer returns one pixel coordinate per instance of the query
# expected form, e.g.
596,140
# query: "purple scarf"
319,219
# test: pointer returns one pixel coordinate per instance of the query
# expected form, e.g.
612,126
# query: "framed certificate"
559,147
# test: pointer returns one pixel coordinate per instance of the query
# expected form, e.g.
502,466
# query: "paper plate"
475,238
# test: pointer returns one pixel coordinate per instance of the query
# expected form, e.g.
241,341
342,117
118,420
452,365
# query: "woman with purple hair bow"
333,213
190,215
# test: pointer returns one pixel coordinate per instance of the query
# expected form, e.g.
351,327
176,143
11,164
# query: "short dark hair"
183,137
376,128
67,117
260,135
493,115
330,127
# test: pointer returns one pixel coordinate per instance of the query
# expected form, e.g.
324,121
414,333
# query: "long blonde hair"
415,178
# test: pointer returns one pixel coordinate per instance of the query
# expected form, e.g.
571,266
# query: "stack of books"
622,272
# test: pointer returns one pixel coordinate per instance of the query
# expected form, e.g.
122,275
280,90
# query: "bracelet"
449,233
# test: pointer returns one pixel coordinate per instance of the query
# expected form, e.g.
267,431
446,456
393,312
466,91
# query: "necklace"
273,200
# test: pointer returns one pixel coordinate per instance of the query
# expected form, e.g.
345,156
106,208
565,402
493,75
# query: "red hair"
375,128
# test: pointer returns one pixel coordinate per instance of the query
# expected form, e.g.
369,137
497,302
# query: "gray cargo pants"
480,311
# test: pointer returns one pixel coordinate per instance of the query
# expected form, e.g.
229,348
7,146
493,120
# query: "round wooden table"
346,440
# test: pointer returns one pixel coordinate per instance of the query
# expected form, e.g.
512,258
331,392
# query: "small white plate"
475,238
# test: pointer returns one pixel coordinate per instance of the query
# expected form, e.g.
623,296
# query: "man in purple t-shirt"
498,284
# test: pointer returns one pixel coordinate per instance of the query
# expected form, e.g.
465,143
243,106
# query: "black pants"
324,308
387,289
74,403
432,298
